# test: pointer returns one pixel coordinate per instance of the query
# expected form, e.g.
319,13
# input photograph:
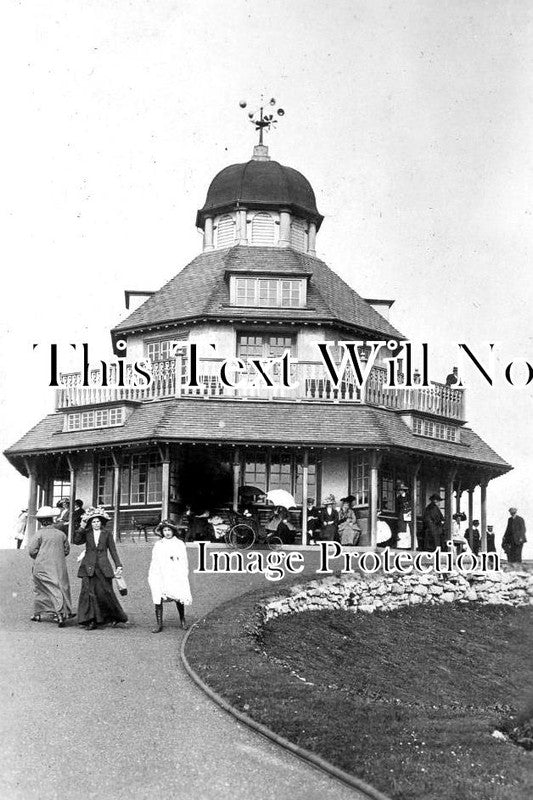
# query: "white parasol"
279,497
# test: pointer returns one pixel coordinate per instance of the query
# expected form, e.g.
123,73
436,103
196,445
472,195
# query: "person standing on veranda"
433,523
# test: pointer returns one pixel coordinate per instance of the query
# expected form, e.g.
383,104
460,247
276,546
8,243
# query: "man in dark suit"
473,536
433,524
514,537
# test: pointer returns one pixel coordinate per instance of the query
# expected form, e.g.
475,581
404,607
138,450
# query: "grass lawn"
406,700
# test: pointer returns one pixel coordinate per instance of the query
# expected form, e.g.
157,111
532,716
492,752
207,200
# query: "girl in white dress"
169,573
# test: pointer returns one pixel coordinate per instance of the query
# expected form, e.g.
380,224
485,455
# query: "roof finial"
262,120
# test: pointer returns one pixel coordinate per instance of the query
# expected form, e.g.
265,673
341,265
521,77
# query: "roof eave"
224,208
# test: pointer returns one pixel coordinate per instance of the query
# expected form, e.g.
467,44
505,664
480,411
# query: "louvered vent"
298,235
225,231
263,229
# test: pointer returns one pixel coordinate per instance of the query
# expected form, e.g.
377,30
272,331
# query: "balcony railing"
310,382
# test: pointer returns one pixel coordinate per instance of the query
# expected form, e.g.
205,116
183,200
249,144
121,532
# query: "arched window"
299,235
263,229
225,231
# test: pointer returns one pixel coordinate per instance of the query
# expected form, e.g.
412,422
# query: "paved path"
111,714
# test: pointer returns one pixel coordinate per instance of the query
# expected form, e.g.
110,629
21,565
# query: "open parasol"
279,497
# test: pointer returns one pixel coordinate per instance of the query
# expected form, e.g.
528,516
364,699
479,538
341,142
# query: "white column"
208,233
242,234
236,478
117,478
483,518
448,504
284,228
164,453
312,239
414,506
31,526
373,499
470,507
72,471
305,478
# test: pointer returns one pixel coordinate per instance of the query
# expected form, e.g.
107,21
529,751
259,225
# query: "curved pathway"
112,714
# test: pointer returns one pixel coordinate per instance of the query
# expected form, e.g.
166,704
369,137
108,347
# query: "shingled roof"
201,291
269,423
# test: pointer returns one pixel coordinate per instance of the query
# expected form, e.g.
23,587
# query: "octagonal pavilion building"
210,428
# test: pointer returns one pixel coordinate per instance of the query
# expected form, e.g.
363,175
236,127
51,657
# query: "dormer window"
94,418
268,292
436,430
263,229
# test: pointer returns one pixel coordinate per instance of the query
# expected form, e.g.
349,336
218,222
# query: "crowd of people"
331,524
98,605
168,576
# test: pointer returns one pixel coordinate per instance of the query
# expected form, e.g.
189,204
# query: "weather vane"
262,120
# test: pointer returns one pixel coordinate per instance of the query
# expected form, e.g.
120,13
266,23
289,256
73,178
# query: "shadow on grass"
405,700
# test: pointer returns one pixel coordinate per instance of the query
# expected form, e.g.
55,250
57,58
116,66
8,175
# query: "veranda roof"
258,423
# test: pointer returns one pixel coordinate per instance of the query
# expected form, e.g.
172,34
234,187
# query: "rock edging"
368,594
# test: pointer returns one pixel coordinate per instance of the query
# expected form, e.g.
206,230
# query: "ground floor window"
281,473
255,471
140,481
389,479
60,489
104,481
387,495
360,471
274,470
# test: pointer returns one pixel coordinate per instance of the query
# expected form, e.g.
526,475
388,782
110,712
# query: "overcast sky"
412,120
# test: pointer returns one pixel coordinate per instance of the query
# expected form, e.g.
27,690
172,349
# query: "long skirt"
98,601
52,595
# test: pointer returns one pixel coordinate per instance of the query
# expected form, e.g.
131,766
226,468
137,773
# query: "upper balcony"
310,382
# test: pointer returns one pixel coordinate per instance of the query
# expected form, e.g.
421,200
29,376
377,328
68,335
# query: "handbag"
121,585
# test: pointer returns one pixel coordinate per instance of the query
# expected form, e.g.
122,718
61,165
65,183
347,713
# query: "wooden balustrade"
310,382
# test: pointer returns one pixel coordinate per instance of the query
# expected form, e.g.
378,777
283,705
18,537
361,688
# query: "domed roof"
260,184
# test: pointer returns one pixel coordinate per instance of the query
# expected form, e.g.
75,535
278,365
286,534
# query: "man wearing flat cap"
514,537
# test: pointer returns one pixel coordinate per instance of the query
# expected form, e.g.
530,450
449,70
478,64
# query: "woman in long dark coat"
49,548
98,603
329,520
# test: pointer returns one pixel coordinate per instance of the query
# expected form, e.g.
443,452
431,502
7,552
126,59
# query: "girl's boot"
158,618
181,612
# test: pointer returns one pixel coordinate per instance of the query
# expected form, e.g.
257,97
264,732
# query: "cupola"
260,203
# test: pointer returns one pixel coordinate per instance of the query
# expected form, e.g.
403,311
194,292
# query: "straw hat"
46,512
328,500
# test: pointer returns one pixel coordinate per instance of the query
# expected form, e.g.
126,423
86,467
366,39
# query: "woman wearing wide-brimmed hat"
168,576
49,548
98,603
329,520
349,530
